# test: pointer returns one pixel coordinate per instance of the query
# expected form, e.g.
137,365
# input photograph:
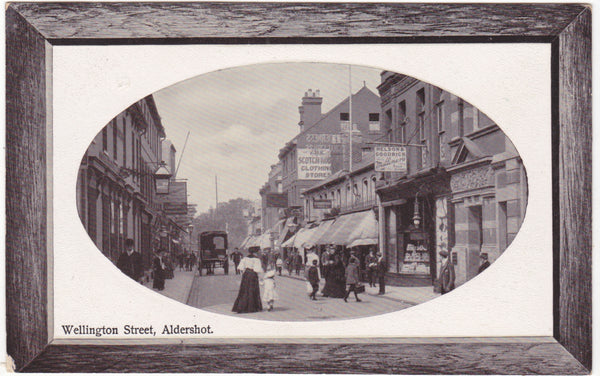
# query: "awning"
358,242
350,227
287,228
289,243
319,232
264,241
303,237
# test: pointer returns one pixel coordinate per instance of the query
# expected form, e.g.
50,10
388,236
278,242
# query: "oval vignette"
259,167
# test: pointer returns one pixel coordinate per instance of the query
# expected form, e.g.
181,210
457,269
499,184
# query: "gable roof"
467,148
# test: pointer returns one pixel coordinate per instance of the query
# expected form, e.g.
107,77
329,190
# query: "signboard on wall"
322,204
277,200
390,159
314,163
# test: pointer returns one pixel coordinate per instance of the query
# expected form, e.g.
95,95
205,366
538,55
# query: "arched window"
366,194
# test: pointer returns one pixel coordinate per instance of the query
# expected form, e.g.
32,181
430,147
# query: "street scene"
302,191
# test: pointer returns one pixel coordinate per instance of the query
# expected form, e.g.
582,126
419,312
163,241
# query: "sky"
239,118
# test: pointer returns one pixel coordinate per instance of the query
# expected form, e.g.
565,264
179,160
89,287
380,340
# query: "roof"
368,160
288,144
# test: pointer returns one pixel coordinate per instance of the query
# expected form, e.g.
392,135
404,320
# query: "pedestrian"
327,260
484,262
298,263
130,261
447,275
313,278
382,269
352,279
248,299
158,271
338,277
269,292
371,262
236,256
279,264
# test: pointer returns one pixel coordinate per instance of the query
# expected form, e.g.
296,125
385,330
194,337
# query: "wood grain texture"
470,358
575,88
26,263
30,24
288,20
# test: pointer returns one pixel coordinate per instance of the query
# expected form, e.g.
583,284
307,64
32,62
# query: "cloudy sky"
239,118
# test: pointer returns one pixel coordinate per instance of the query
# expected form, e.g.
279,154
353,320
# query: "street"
217,293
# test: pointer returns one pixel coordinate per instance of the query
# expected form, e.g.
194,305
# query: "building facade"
464,190
116,192
322,146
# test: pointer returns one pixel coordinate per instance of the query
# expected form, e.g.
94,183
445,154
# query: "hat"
315,262
443,253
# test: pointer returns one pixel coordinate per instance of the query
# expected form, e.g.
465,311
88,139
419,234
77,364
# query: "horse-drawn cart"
213,252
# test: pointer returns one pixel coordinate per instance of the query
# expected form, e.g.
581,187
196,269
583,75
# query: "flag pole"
350,112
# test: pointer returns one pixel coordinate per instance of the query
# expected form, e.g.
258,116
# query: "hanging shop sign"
390,159
314,163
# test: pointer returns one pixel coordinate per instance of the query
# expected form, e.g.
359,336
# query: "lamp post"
416,214
162,177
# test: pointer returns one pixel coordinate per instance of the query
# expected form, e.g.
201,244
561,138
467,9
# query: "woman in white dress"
248,299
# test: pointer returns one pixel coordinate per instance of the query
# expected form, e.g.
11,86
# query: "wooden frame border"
33,28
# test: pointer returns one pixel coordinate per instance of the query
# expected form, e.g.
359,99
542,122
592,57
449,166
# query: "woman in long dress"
158,267
248,299
338,277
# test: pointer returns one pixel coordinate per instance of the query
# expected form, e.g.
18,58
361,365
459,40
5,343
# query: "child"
313,279
279,264
269,293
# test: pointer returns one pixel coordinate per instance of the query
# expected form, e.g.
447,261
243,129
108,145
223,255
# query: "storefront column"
441,231
490,229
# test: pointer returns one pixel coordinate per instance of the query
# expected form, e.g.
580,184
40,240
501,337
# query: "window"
461,118
105,139
440,117
421,125
421,100
402,120
345,116
114,134
365,194
374,122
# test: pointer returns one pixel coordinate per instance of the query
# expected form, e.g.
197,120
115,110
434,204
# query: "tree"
228,216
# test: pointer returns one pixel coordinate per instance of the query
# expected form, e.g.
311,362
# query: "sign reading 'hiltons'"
390,159
314,163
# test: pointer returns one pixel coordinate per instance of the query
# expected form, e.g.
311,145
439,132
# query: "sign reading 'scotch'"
314,163
390,159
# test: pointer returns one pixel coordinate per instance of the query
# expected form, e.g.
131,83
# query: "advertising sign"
277,200
314,163
322,204
390,159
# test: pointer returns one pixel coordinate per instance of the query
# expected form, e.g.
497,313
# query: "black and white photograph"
283,211
298,188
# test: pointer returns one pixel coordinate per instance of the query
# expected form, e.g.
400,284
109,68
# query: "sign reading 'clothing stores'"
390,159
314,163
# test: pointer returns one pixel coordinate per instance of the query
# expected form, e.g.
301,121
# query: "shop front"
415,220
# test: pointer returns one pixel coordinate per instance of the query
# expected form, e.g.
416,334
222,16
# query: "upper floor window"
440,116
461,118
374,122
421,100
114,135
344,116
105,139
421,125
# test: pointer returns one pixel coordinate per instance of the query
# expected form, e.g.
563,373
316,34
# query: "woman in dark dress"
327,262
248,299
338,271
158,268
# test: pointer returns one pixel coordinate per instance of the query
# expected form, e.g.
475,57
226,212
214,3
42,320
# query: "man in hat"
130,261
447,274
382,269
484,262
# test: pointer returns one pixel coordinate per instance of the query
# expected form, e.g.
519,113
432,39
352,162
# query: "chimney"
310,111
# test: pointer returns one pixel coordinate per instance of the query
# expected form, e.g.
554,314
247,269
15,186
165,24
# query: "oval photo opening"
302,191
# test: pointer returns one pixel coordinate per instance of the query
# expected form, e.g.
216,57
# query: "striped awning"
351,227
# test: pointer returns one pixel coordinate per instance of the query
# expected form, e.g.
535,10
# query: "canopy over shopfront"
352,229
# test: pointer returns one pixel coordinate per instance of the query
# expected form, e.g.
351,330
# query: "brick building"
465,183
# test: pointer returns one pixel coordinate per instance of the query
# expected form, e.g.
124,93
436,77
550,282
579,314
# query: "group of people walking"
131,264
248,299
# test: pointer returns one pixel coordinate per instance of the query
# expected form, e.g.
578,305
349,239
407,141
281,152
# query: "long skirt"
248,299
159,280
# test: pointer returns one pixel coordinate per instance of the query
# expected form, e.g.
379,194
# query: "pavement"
408,295
217,293
178,287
